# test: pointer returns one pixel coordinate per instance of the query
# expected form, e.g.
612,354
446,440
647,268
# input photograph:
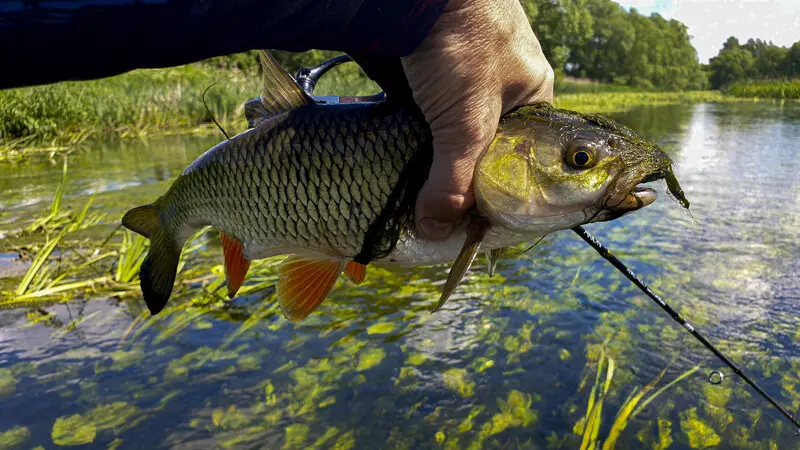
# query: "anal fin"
304,283
236,265
476,231
356,272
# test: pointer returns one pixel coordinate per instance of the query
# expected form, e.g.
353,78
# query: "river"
510,362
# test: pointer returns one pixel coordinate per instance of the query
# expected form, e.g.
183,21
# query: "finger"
459,138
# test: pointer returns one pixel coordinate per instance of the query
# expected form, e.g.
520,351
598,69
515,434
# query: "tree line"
753,60
602,41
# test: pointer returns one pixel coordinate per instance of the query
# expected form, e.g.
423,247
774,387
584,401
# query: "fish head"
549,169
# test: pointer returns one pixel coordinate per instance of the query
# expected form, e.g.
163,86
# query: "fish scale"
227,189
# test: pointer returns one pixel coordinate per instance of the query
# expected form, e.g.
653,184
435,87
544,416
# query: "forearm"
96,39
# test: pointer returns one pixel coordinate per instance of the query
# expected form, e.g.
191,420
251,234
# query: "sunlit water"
509,362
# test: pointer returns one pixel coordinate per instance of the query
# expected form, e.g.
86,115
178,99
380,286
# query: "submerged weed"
588,426
14,438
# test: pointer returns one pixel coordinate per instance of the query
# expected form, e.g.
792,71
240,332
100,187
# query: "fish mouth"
637,198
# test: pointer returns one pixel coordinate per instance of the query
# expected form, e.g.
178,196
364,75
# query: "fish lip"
635,199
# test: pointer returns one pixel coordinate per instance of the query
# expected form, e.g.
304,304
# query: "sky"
711,22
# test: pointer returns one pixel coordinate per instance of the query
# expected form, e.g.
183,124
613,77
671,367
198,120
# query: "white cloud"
711,22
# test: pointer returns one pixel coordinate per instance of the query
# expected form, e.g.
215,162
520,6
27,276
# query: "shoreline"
56,119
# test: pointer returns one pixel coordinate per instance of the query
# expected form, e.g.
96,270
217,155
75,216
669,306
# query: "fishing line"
791,363
534,244
203,97
780,350
606,254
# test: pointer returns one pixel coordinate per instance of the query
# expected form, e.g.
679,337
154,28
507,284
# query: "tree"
790,66
561,26
732,63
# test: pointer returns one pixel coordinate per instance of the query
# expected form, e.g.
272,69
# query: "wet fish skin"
323,181
334,186
312,180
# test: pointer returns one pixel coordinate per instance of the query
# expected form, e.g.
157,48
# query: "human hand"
479,61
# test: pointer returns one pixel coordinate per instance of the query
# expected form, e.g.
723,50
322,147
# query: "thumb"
459,138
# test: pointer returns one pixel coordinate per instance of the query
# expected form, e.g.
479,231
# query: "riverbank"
779,90
54,118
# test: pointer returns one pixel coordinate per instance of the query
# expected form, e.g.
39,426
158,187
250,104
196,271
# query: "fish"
333,187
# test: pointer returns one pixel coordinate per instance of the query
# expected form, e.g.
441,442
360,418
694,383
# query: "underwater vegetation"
466,377
555,351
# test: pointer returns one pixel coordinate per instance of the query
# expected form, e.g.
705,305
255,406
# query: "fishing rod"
619,265
308,77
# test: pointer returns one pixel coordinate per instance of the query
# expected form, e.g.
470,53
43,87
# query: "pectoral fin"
476,231
304,283
493,256
236,265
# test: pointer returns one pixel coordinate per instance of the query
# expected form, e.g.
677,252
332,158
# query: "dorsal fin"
280,93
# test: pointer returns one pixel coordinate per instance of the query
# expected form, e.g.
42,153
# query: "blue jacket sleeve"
48,41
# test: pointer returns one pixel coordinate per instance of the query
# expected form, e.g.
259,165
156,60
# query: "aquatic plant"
130,257
605,102
588,426
765,89
14,438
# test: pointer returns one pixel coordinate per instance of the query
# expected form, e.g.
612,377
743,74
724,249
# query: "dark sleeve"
47,41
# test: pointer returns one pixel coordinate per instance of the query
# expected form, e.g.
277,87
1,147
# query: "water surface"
509,362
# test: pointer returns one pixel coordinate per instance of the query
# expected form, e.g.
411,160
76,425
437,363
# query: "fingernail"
435,229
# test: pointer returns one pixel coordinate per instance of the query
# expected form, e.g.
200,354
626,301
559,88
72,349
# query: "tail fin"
160,266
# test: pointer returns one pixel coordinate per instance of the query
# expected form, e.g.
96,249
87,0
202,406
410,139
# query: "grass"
55,117
567,85
604,102
52,119
133,103
588,427
765,89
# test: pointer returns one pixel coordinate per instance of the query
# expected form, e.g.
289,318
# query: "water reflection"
100,166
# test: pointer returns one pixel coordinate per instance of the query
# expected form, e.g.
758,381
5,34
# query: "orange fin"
356,272
235,263
303,284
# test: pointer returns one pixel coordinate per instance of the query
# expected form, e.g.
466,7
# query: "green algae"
346,441
73,430
381,328
481,364
330,433
8,383
248,362
515,411
457,380
230,418
469,421
370,358
416,359
14,438
698,433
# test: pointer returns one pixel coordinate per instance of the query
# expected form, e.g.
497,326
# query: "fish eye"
580,157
